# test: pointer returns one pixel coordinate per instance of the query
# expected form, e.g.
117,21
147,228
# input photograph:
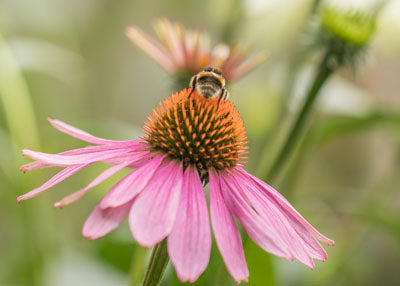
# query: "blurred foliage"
70,60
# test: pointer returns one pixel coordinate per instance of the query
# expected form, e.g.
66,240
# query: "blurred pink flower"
188,51
189,141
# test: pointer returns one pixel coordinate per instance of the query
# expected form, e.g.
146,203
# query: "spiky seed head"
197,131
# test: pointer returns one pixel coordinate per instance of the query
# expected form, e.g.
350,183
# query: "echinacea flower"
188,143
186,52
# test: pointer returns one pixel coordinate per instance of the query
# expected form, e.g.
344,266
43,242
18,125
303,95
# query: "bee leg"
192,84
226,95
221,95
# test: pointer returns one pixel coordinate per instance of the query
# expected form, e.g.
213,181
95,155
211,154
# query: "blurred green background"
70,60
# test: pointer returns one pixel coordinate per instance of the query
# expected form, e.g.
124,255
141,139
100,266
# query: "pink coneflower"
189,142
183,51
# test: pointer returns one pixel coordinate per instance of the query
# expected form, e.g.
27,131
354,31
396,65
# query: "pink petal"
285,205
245,67
82,135
34,166
134,155
201,55
59,177
192,45
131,185
228,64
133,147
153,214
273,216
183,42
299,238
77,195
100,222
314,248
68,160
259,231
226,233
150,47
189,243
169,34
136,158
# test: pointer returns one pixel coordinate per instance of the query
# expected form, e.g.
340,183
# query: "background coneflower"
184,52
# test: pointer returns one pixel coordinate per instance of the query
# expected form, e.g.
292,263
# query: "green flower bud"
344,35
353,27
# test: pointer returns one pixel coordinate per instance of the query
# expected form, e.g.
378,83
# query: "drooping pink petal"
90,149
272,215
255,226
135,154
33,166
59,177
287,207
100,221
100,178
150,47
131,185
189,243
68,160
82,135
137,158
313,246
153,213
299,239
226,233
133,147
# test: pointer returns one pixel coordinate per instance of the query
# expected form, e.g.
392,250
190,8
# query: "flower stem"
158,263
323,73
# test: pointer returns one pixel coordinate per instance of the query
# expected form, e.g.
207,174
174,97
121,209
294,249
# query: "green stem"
297,58
322,75
158,263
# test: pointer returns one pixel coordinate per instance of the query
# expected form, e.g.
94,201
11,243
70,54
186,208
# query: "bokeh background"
70,60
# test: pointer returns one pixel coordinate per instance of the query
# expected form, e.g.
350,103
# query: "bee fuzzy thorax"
211,75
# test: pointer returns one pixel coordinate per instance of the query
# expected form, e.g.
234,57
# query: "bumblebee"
209,83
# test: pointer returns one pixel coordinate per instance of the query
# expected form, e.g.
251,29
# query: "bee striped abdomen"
209,86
